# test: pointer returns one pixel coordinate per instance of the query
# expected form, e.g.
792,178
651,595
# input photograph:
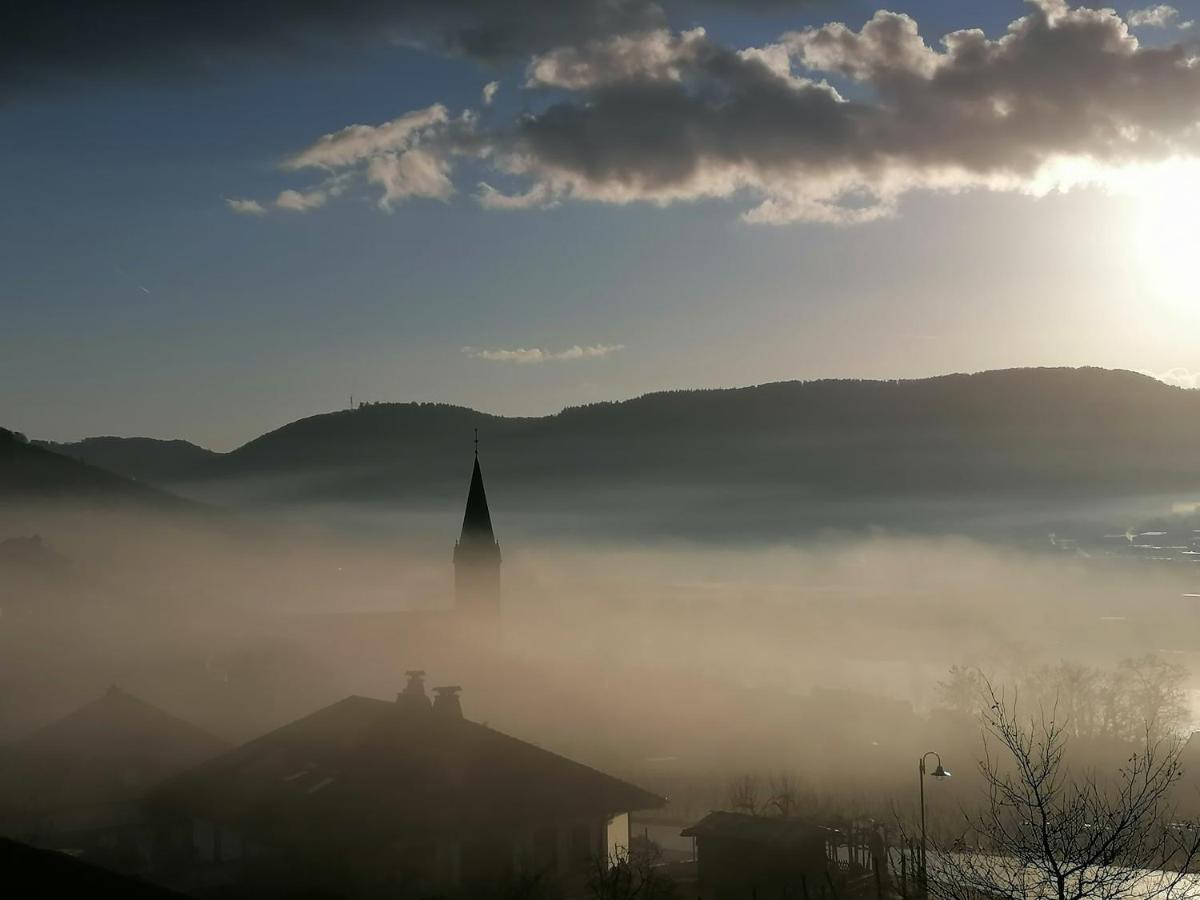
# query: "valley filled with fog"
684,664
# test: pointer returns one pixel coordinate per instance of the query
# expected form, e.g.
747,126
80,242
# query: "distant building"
400,798
772,858
78,783
469,631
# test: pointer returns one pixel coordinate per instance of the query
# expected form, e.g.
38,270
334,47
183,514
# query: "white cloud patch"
297,201
489,92
1178,377
245,207
655,55
356,143
533,355
413,173
1159,16
406,157
537,197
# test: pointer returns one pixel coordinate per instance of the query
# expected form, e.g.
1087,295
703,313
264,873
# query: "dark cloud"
677,117
75,42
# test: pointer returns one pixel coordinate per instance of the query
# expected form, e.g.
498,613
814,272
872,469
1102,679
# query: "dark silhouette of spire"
477,555
477,520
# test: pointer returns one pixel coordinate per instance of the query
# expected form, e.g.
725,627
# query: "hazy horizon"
1172,378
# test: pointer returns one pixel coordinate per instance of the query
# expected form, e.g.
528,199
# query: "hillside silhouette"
31,472
139,458
1068,433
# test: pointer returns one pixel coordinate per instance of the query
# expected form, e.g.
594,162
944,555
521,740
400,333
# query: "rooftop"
759,829
364,768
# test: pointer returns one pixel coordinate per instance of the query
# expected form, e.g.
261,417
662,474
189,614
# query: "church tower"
477,557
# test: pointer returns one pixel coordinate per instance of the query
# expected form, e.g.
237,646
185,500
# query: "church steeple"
477,521
477,555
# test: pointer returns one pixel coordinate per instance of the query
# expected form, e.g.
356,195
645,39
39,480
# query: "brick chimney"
446,702
413,696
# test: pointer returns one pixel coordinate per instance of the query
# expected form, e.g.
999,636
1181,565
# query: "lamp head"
940,772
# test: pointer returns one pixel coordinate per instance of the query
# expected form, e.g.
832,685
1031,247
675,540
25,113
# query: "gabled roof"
364,769
477,520
758,829
108,750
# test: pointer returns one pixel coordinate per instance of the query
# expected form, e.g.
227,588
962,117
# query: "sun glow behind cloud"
1168,231
1164,228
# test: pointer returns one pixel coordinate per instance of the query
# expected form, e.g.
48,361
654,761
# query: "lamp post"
938,772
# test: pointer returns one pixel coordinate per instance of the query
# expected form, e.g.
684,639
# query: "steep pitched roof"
364,770
108,750
477,520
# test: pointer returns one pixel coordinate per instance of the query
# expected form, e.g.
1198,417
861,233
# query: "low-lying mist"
686,666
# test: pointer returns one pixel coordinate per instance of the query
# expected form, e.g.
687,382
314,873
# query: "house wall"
202,853
738,868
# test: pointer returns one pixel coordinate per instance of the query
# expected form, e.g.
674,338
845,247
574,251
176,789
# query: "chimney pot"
413,695
446,701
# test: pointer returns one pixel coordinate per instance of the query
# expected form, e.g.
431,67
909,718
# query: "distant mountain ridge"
32,472
143,459
1073,432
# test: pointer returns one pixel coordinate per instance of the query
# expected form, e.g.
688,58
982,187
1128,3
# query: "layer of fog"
673,663
680,506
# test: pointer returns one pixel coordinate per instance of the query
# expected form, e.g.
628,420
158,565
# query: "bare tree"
785,795
743,795
962,690
1151,693
1116,704
1048,832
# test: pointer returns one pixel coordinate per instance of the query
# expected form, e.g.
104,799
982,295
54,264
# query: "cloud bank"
531,355
1064,96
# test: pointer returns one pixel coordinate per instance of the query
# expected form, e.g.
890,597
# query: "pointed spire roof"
477,521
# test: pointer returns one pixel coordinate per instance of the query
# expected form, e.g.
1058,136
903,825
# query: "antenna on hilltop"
477,443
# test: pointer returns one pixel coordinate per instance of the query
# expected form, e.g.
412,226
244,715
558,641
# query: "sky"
218,220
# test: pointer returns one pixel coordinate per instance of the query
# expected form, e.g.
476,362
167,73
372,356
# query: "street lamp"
938,772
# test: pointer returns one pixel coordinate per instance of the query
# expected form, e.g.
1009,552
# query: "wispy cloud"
489,92
1158,16
245,207
530,355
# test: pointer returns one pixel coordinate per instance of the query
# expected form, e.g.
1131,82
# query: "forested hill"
1083,432
30,472
144,459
